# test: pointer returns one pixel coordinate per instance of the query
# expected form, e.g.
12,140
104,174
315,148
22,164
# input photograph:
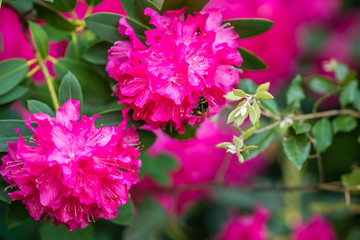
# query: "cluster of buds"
236,147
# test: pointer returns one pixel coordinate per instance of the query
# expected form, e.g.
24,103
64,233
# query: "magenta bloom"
185,59
247,227
75,173
316,228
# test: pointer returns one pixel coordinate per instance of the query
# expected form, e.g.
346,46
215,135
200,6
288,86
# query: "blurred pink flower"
246,227
75,173
316,228
186,59
199,163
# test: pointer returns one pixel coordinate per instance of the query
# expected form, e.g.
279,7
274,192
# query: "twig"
329,113
268,127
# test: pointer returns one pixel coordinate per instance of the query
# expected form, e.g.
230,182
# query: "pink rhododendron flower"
316,228
186,59
199,163
75,173
246,227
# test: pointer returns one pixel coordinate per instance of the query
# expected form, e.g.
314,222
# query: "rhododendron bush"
173,119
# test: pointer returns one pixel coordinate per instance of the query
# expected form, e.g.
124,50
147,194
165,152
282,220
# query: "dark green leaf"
301,127
271,105
344,123
356,101
22,5
12,72
251,61
8,134
295,94
150,230
248,86
321,84
97,53
50,231
13,94
250,27
16,214
105,26
139,29
53,18
296,148
62,5
147,138
348,94
126,214
93,2
109,118
158,169
351,179
36,106
70,88
193,6
322,134
92,83
56,35
262,140
40,38
190,132
3,194
128,6
140,6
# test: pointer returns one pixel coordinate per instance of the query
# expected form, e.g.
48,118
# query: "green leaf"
158,168
296,148
36,106
40,38
16,214
247,28
13,94
322,134
93,2
77,47
56,35
97,53
4,195
348,94
263,87
49,231
262,140
128,6
344,123
22,5
70,88
356,101
92,83
62,5
193,6
147,138
271,105
351,179
8,134
53,18
341,71
150,230
295,94
140,6
190,132
248,86
12,72
105,26
126,214
109,118
251,61
301,126
263,95
321,84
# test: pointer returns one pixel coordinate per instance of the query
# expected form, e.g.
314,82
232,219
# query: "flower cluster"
75,173
185,59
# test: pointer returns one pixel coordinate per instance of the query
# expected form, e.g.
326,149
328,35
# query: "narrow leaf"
295,93
53,18
250,27
40,38
251,61
296,148
128,6
344,123
263,87
36,106
70,88
12,72
322,134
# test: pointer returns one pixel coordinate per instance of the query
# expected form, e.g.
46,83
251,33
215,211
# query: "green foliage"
126,214
53,18
158,168
36,106
147,138
70,88
13,71
140,6
295,94
13,94
247,28
190,132
40,38
16,214
301,127
193,6
322,133
251,61
351,179
321,84
3,194
62,5
97,53
49,231
93,2
348,94
296,148
262,140
344,123
8,134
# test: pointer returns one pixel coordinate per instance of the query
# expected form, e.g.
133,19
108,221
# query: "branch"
327,114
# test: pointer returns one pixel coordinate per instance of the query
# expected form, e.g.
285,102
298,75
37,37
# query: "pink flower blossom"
246,227
75,173
186,58
316,228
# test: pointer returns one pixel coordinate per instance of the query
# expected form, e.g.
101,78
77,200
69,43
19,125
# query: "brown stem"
329,113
